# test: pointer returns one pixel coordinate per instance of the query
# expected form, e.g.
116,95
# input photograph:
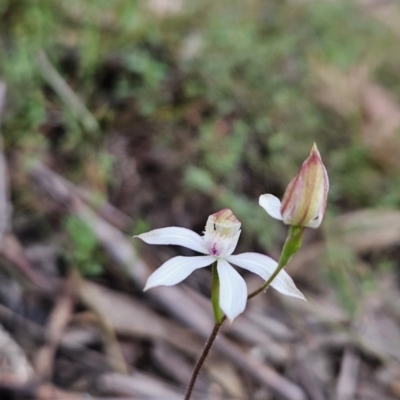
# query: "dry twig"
14,365
5,204
112,346
58,320
67,95
347,382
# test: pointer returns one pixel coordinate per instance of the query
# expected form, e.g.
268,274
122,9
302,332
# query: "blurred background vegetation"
171,110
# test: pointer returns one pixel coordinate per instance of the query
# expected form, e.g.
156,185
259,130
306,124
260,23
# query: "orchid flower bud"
304,200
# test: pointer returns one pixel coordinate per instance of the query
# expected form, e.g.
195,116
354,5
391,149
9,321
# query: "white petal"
259,264
175,235
265,266
176,270
232,290
271,204
284,284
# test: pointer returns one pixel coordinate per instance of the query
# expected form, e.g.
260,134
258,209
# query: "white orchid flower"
217,244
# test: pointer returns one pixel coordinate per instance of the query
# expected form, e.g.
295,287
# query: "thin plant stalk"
202,358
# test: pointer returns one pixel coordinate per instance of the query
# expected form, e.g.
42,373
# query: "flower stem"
202,358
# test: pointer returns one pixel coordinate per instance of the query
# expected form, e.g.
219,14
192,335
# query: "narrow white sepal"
284,284
256,263
232,290
272,205
176,270
264,267
176,236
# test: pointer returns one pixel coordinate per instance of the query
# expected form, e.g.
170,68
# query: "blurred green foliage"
84,248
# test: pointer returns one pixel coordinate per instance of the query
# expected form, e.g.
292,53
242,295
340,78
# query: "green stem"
218,314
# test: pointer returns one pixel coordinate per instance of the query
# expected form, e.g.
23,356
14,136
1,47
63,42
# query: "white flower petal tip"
146,288
284,284
174,236
176,270
272,205
232,291
297,294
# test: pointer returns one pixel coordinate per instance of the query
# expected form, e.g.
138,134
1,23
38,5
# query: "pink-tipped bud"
304,201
